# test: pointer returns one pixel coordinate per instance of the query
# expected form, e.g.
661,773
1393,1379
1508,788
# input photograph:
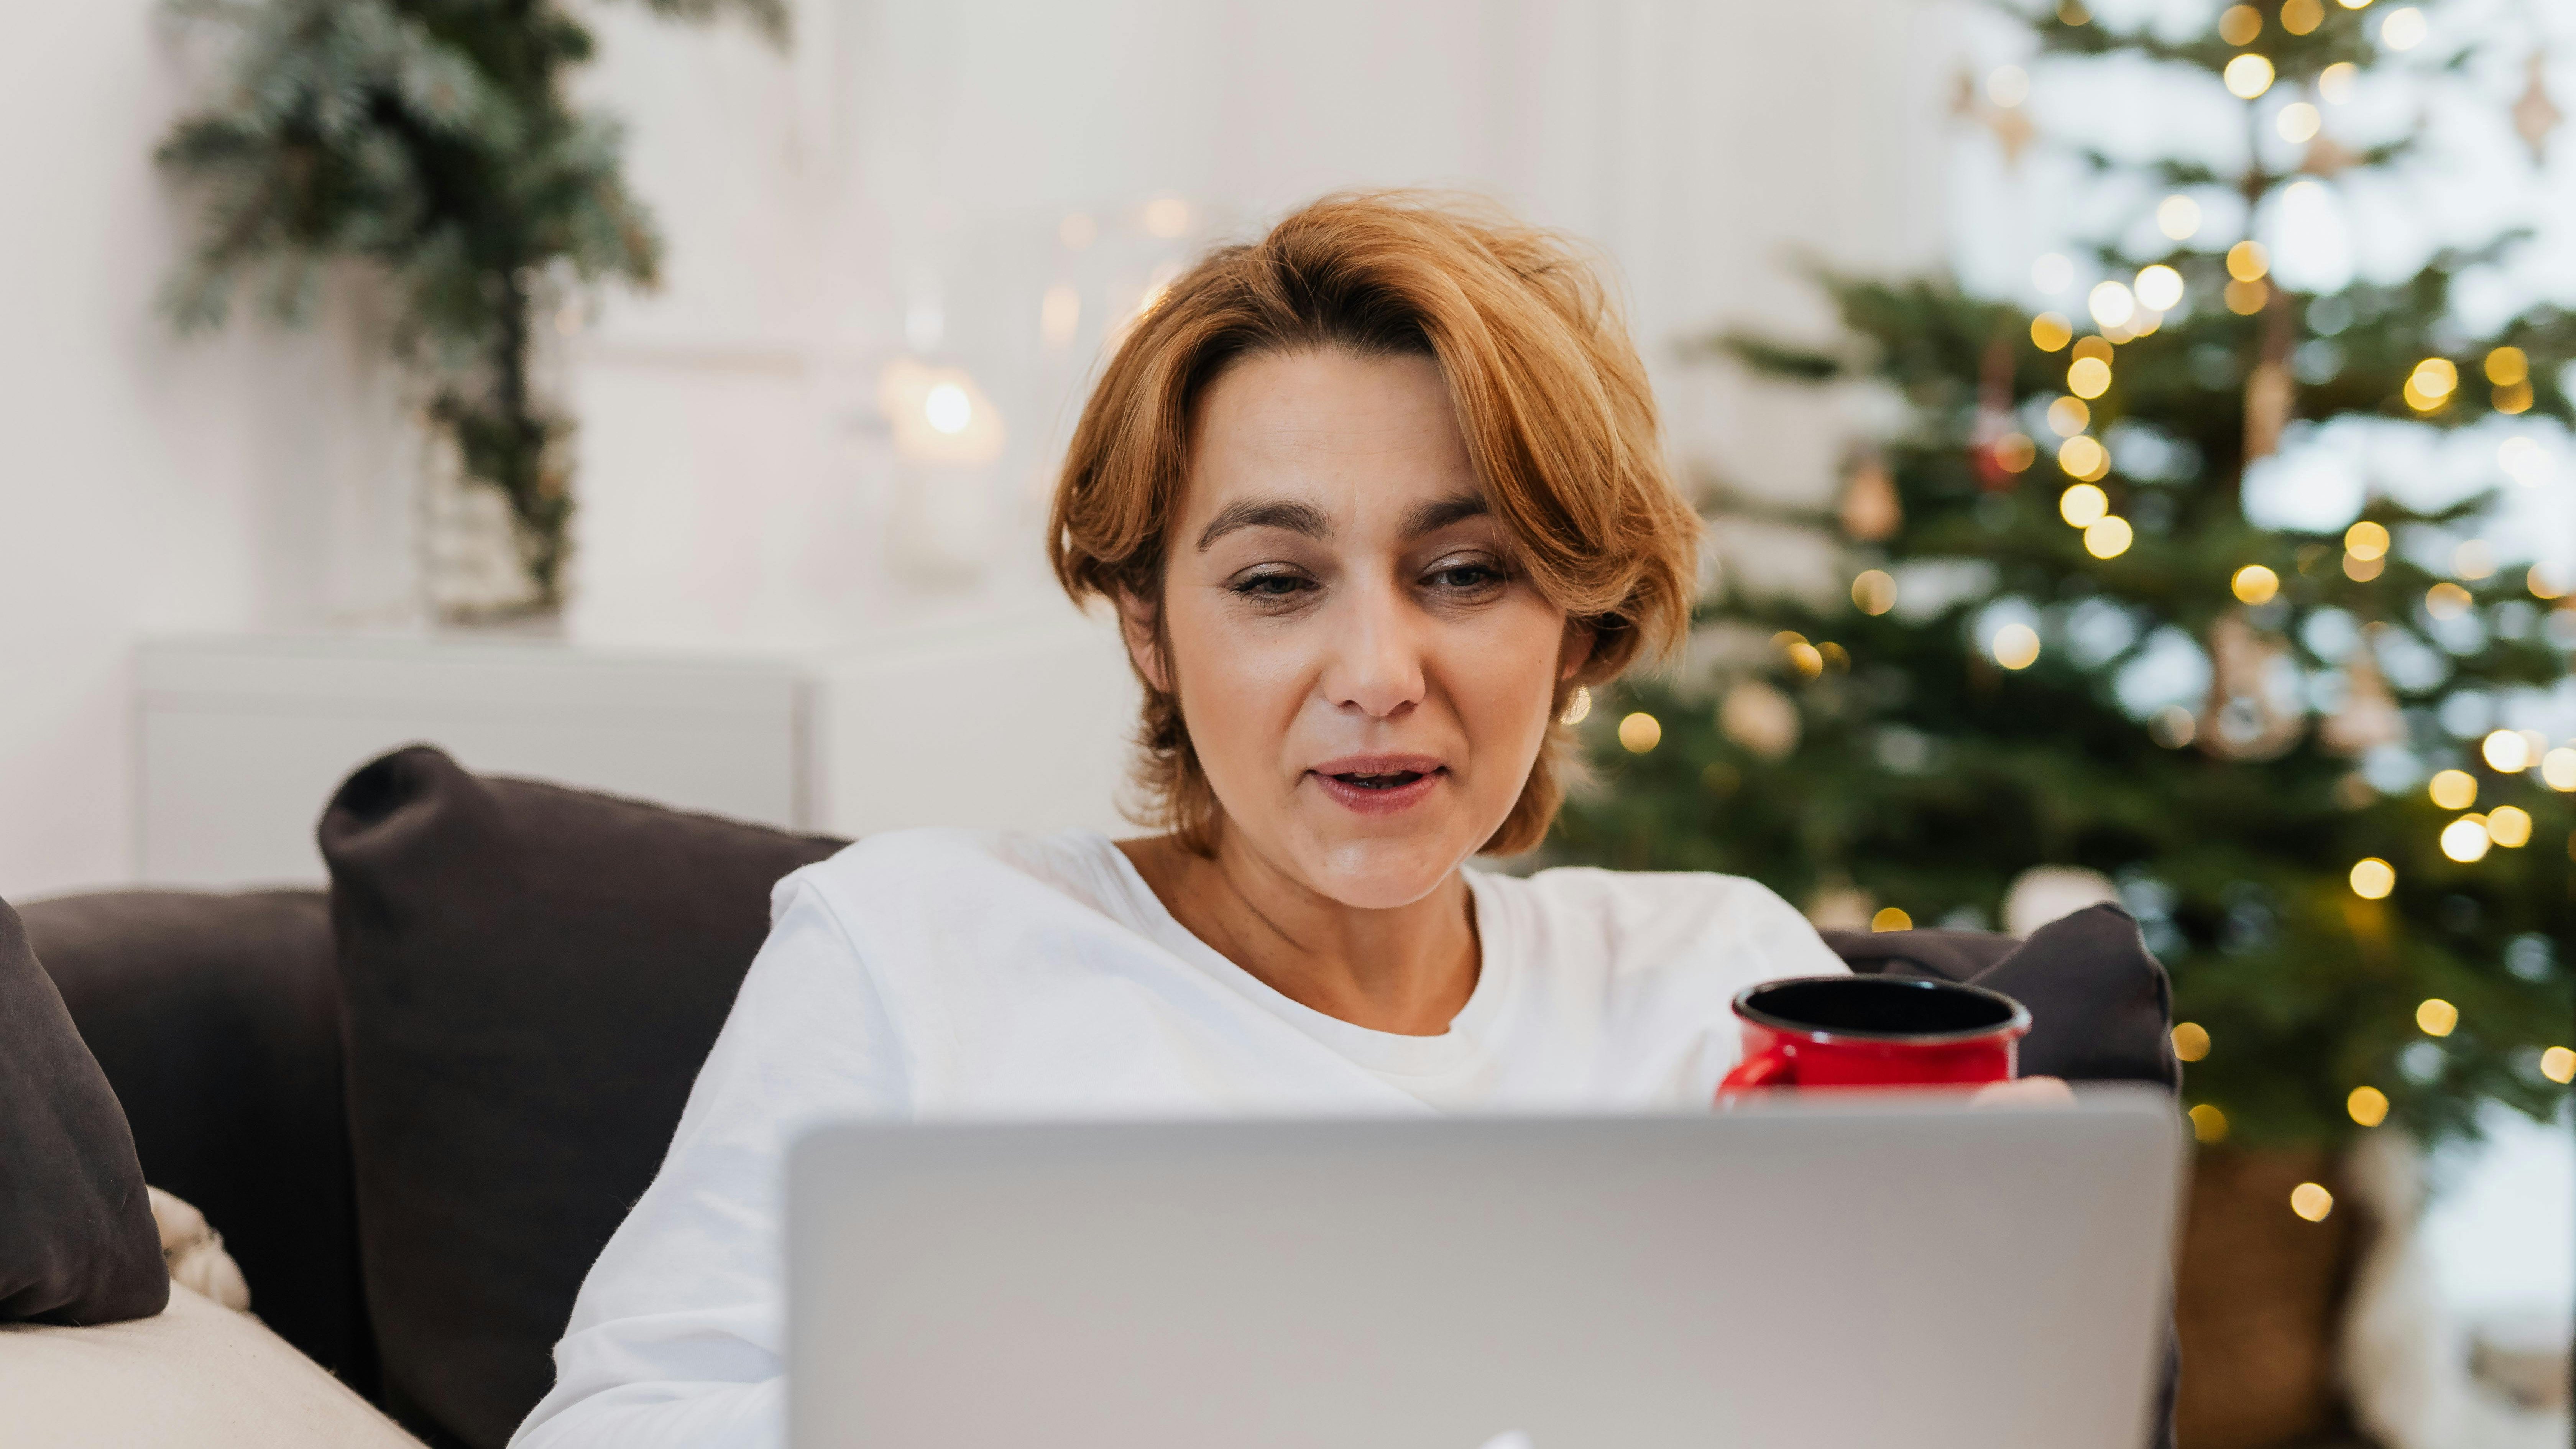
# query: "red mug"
1874,1031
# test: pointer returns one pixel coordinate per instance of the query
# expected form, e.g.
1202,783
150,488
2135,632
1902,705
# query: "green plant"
433,141
1905,746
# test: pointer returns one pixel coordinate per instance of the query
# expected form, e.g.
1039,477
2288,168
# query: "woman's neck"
1408,969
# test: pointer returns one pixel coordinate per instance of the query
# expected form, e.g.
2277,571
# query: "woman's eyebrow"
1264,513
1432,517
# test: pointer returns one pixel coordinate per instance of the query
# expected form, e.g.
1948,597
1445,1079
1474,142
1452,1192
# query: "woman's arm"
678,1336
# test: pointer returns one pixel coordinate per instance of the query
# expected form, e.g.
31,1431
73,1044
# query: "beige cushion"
198,1376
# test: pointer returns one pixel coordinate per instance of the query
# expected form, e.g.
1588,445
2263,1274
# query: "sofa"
416,1105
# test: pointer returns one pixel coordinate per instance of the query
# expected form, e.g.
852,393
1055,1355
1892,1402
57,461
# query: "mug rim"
2011,1028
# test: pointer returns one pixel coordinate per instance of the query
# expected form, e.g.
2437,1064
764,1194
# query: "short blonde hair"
1549,391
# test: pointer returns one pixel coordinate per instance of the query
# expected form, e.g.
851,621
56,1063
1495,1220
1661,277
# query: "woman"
1373,498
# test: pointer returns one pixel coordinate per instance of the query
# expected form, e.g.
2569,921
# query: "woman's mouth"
1379,785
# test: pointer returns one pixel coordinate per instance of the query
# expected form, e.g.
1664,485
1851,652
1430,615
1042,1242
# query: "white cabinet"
1015,721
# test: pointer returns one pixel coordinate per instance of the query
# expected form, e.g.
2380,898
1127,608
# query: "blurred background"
668,405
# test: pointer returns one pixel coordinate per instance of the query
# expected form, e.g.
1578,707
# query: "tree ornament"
2535,115
2368,717
1760,718
2253,711
1870,509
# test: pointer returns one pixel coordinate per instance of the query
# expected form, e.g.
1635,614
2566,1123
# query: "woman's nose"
1373,657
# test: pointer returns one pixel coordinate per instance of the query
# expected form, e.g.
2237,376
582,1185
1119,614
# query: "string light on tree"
2255,584
2083,457
2509,826
2248,76
2311,1201
2109,538
2367,1106
2431,384
2190,1041
2372,878
2016,646
2178,217
2506,752
2050,331
2160,287
2111,304
2083,505
2298,123
2334,83
2208,1124
2558,769
2403,28
2454,789
2465,840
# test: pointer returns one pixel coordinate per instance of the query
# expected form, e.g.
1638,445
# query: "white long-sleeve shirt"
952,974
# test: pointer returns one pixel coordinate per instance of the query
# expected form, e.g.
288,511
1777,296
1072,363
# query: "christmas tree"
2301,752
433,141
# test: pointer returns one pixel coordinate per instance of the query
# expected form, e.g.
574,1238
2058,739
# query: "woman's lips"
1379,784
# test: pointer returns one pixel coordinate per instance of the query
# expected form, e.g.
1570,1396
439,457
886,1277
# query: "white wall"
739,486
145,484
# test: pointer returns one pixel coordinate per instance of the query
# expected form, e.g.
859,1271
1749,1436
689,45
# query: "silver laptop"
1868,1273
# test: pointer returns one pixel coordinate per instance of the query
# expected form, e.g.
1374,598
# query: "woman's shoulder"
937,868
1642,917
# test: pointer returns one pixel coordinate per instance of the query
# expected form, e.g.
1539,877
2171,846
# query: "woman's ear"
1575,651
1137,619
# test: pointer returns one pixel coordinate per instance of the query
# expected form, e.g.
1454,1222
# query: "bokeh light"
2454,789
2509,826
2016,646
2248,76
2373,878
2436,1017
2367,1106
2507,753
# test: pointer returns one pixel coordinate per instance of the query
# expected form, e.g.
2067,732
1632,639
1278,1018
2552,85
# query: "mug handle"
1771,1068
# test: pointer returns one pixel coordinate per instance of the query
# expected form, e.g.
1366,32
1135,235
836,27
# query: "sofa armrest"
217,1021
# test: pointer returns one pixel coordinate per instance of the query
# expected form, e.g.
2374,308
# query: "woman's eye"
1467,577
1271,586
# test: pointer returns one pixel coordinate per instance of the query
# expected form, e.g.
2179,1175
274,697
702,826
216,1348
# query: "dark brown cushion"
2101,1007
77,1243
532,977
217,1020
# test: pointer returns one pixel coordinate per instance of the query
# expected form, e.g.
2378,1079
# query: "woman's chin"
1380,870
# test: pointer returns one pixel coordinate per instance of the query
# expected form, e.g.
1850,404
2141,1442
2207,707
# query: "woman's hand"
2025,1092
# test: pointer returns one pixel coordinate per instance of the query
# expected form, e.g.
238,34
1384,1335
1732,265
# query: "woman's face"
1365,673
